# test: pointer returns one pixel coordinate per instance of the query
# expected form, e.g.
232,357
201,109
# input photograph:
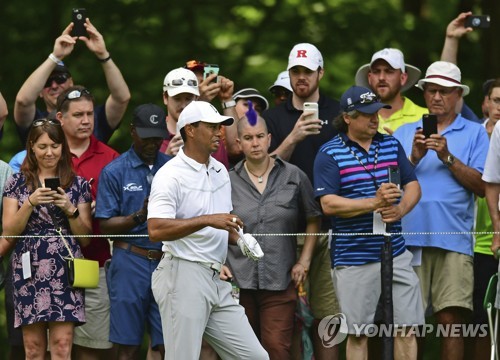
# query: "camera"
79,17
477,21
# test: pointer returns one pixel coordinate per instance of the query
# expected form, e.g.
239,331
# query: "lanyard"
375,160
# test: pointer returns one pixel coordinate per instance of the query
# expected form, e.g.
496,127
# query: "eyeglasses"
40,122
443,91
496,101
180,82
59,79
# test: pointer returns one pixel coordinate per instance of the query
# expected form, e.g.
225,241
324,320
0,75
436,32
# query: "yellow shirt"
410,112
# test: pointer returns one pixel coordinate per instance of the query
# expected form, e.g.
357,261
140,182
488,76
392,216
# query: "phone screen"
78,18
429,124
210,69
394,175
52,183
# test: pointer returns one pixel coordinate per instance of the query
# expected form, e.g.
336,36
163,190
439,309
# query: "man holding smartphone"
52,77
448,165
351,181
296,138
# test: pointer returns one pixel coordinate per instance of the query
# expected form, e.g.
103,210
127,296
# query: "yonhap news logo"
332,330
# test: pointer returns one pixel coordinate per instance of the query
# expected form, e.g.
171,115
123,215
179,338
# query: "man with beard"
296,137
388,76
122,209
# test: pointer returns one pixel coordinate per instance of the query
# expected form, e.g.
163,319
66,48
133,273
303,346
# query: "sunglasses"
40,122
59,79
180,82
76,94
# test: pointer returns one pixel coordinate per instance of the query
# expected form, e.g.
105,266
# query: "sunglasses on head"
40,122
180,82
59,79
76,94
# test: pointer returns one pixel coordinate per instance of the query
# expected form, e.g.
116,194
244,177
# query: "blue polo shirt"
445,206
337,171
123,185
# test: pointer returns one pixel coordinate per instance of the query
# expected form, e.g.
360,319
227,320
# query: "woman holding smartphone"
43,298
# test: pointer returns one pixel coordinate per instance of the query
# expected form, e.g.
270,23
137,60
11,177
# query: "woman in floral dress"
43,298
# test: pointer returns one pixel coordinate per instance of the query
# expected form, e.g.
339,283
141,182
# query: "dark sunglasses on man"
59,79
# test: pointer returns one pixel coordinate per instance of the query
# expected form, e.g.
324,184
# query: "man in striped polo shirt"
351,182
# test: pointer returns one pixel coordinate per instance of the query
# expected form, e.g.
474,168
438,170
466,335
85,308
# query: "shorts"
132,303
359,290
452,281
484,267
95,333
322,297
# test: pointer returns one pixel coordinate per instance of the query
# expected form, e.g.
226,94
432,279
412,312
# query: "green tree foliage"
250,40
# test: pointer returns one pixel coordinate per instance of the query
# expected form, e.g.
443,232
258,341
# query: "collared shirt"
483,223
89,166
446,205
124,185
288,197
337,171
184,189
410,112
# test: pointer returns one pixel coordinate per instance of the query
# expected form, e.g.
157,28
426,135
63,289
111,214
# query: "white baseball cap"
307,55
180,81
444,73
201,111
283,80
396,59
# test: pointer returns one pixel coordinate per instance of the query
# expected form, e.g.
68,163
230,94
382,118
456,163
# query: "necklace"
260,178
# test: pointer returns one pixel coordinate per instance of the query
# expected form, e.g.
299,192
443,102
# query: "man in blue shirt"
449,165
121,206
351,182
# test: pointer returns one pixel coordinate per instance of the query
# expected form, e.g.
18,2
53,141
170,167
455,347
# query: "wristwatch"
75,214
139,218
228,104
450,160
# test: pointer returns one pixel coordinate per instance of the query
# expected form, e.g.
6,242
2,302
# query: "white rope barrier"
273,234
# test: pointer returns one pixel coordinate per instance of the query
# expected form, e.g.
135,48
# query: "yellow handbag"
82,273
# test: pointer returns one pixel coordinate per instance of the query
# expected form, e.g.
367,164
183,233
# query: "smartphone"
52,183
78,18
477,21
312,109
394,175
429,122
210,69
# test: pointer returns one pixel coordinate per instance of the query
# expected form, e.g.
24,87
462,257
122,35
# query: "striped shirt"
342,167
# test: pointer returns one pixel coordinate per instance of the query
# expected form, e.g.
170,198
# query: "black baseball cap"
149,121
